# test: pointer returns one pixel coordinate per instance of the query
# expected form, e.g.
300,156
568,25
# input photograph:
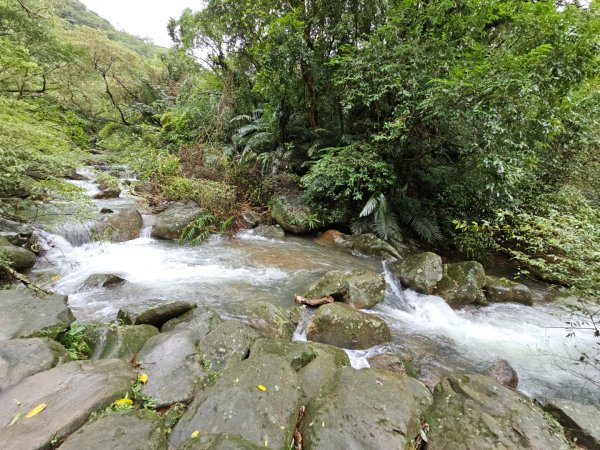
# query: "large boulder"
117,431
20,358
476,412
199,321
122,342
370,245
291,213
69,392
19,258
256,399
581,422
501,290
368,408
16,232
170,223
462,283
420,272
343,326
268,319
124,225
357,288
172,364
228,343
23,315
153,312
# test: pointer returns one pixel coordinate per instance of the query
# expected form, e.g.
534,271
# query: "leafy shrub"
217,197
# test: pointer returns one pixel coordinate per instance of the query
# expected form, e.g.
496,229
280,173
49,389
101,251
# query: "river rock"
368,408
20,358
23,315
291,213
581,422
357,288
70,393
270,320
228,343
503,290
19,258
343,326
170,223
172,364
153,312
370,245
476,412
219,441
100,280
236,405
21,229
117,431
269,231
320,370
420,272
331,237
503,373
122,342
250,219
124,225
107,193
462,283
199,321
387,361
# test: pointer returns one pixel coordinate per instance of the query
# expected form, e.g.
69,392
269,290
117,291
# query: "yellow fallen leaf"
143,378
55,278
35,411
261,387
195,434
123,401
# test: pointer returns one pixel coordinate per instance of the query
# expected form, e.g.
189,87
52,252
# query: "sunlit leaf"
35,411
195,434
123,401
261,387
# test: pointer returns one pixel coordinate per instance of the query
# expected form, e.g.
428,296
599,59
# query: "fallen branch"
313,301
26,281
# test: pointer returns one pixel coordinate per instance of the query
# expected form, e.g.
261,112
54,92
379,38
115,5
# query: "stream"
223,271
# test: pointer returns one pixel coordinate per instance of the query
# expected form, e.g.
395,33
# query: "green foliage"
218,198
198,230
107,181
74,341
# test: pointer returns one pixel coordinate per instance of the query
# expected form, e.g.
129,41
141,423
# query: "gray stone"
503,373
269,231
343,326
124,225
219,441
332,238
462,283
333,283
291,213
269,319
236,405
23,315
102,280
420,272
122,342
250,219
199,321
476,412
581,422
116,431
172,364
229,342
20,358
370,245
170,223
153,312
387,361
107,193
10,226
503,290
71,392
368,408
19,258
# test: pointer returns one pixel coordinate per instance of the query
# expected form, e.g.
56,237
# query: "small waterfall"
302,328
148,223
77,233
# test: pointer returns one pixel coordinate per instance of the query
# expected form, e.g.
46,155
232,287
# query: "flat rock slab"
476,412
71,392
199,321
267,318
220,441
581,422
153,312
123,342
363,409
118,432
172,364
21,358
236,405
229,342
23,315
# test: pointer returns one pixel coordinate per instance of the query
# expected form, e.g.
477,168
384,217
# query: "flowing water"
223,271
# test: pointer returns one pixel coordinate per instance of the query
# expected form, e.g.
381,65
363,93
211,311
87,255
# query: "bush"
217,197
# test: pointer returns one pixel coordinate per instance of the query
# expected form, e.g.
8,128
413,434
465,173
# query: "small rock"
269,231
250,219
153,312
19,258
370,245
387,361
503,290
107,193
99,280
329,237
503,373
106,211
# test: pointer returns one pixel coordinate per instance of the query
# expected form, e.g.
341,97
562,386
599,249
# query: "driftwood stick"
26,281
313,301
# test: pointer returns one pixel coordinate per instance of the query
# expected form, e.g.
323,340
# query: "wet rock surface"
153,312
170,223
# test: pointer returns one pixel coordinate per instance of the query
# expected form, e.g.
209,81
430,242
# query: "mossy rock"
19,258
462,283
291,213
420,272
501,290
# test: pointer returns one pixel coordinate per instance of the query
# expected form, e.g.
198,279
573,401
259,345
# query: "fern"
383,221
198,230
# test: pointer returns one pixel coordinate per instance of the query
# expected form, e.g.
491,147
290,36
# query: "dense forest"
469,126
